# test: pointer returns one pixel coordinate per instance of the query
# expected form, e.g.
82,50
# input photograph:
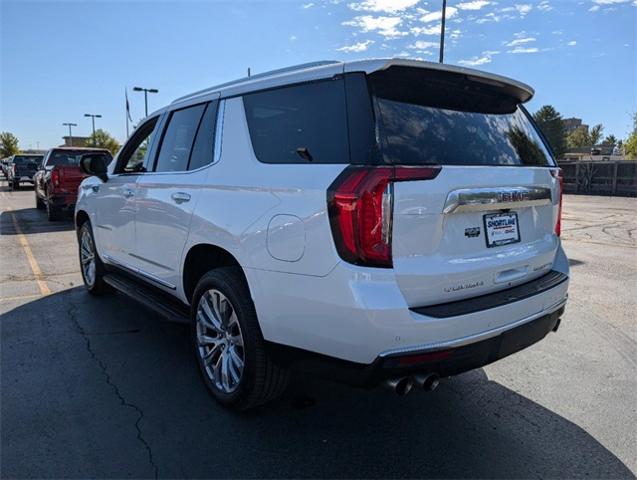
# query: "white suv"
381,221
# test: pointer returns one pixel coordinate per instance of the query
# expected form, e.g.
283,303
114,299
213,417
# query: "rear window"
423,119
26,159
304,123
68,157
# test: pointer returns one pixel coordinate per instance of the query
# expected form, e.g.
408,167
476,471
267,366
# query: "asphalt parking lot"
100,387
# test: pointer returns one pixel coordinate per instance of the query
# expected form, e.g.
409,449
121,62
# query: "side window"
134,153
178,139
203,149
299,124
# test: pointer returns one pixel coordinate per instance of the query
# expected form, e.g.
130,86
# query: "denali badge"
464,286
472,232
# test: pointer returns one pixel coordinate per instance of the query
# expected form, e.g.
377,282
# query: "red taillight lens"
557,173
55,177
360,204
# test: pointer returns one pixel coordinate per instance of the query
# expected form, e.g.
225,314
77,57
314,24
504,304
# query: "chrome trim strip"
476,337
496,198
139,272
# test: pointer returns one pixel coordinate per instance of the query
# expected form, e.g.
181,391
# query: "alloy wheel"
87,258
220,341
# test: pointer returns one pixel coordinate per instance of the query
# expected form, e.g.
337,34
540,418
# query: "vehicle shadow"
32,220
98,387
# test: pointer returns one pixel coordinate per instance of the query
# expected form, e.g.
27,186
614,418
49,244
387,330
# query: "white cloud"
482,59
437,15
475,61
357,47
386,6
292,38
594,8
385,26
423,45
611,2
572,43
431,30
307,5
521,8
524,50
473,5
520,41
544,6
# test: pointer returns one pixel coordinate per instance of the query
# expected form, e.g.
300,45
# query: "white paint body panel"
273,219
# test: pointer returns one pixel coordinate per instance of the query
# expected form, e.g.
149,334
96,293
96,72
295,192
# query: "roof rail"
270,73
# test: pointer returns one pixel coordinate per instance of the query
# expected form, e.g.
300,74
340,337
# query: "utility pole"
70,125
442,31
248,72
93,117
146,92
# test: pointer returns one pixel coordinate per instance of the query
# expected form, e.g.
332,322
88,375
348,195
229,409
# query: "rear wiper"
304,153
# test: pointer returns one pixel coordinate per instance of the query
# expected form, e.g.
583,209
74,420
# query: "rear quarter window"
304,123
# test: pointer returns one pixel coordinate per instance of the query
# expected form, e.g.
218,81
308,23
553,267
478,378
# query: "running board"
149,297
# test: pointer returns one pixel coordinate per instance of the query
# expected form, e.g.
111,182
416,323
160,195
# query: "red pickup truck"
58,179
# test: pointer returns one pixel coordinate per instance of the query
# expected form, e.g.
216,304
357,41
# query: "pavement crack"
71,311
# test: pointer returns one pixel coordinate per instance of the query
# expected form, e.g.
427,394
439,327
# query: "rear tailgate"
440,248
487,221
69,178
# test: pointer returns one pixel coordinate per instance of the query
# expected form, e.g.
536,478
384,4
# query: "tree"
582,137
103,139
8,144
550,122
596,134
610,141
630,147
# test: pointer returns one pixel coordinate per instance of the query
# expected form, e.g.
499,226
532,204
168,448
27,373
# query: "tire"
39,204
15,185
260,380
53,213
94,283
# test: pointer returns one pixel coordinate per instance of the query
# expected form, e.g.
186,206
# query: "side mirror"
95,164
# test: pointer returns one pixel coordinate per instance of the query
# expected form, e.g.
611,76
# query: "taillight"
557,173
360,205
55,178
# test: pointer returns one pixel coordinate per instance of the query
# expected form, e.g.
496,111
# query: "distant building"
77,141
572,124
598,153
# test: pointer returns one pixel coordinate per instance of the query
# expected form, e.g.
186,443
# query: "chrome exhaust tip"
428,382
401,386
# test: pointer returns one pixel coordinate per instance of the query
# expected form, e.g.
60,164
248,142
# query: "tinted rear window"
66,157
424,120
26,159
299,124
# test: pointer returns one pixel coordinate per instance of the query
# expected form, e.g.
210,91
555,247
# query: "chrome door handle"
180,197
128,193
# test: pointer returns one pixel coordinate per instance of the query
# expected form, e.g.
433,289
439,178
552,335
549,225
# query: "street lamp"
70,125
146,92
442,31
93,117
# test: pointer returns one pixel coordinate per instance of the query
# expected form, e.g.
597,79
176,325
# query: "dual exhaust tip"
403,385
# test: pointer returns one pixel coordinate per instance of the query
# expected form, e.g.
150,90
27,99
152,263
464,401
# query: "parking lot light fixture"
93,117
70,125
146,92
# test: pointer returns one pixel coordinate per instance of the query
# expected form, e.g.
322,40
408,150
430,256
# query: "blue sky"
60,60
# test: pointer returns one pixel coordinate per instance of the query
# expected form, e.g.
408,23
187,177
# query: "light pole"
70,125
442,31
93,117
146,92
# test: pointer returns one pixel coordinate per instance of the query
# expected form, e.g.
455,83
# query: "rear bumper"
63,201
360,314
443,362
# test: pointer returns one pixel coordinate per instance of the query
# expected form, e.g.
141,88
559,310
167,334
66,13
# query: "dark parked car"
4,165
21,169
59,177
